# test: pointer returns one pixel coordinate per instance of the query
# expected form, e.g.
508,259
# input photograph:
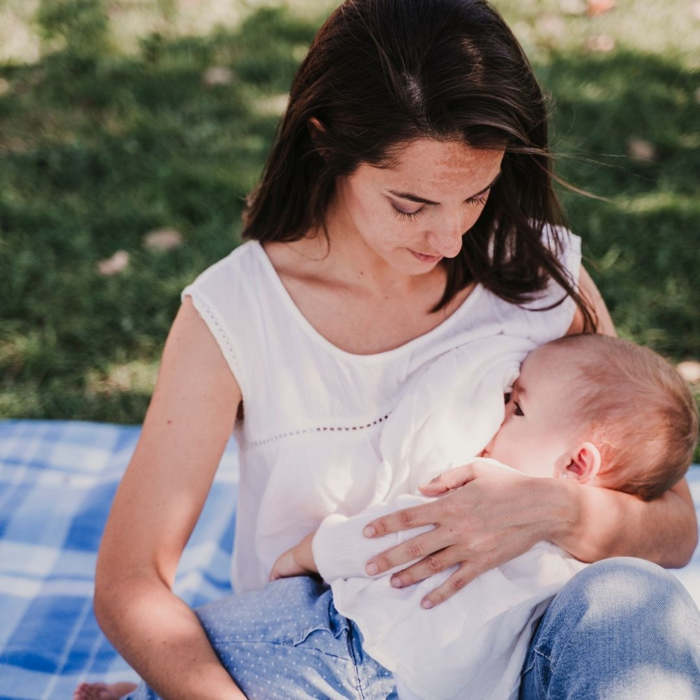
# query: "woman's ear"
584,464
315,125
316,132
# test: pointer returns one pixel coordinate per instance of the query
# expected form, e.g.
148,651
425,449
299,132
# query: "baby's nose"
487,450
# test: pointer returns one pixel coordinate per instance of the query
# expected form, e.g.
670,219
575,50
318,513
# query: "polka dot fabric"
288,641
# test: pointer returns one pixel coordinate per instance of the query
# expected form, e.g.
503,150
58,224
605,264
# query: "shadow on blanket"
57,481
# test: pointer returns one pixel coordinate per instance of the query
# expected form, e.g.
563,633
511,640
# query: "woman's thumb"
448,480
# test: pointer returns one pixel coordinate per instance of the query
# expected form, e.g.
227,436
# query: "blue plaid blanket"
57,481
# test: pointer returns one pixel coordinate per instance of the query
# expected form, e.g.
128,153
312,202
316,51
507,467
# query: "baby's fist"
285,566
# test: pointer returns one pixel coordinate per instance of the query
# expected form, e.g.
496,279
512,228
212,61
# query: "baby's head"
601,410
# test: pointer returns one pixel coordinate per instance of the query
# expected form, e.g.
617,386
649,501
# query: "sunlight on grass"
132,21
271,105
661,27
658,201
137,375
163,124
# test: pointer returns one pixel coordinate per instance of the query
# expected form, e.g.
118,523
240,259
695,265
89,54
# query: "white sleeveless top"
305,397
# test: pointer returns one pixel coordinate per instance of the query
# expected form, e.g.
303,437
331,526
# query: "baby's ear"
584,464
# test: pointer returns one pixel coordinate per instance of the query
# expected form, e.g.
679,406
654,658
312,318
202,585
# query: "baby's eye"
518,411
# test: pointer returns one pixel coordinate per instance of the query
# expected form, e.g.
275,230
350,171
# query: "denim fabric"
621,629
288,641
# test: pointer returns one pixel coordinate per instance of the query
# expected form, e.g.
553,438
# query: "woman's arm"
489,518
590,293
608,523
188,423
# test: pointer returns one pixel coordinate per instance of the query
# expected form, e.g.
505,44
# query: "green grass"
101,143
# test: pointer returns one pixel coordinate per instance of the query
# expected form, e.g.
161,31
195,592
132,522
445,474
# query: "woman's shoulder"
564,244
238,261
550,312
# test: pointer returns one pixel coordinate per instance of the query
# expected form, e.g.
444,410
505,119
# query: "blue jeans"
621,628
288,641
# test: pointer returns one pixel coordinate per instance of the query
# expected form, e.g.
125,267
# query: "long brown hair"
380,73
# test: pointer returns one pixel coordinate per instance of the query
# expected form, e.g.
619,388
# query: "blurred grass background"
131,131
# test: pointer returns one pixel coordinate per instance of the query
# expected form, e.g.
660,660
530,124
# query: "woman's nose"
447,240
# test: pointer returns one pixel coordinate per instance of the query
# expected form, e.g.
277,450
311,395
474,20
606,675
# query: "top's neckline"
366,357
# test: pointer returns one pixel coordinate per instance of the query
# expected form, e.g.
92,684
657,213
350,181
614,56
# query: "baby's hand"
297,561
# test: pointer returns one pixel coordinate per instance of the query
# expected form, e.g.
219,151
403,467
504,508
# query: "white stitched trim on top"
320,429
218,330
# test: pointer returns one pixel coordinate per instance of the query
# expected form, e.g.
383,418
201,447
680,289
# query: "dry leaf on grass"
598,7
600,43
114,265
162,239
552,26
573,7
217,75
272,104
641,149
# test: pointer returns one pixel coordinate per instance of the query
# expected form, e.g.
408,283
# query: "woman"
406,205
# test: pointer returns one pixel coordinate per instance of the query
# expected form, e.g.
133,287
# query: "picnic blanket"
57,481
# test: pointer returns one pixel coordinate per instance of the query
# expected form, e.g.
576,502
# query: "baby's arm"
297,561
339,549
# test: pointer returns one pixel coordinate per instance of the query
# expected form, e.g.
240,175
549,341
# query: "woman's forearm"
597,523
162,639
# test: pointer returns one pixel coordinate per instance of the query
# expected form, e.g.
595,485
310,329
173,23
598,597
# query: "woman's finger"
430,565
450,479
419,547
417,516
459,579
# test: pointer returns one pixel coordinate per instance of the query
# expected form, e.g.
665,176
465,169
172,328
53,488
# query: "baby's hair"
636,409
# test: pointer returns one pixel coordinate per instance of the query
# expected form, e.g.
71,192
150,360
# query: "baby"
598,410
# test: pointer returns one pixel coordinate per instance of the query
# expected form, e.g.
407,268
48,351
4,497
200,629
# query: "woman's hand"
486,516
297,561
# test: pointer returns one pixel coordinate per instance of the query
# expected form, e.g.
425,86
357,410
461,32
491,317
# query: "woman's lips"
426,258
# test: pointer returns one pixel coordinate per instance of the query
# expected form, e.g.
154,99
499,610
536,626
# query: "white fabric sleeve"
339,548
218,293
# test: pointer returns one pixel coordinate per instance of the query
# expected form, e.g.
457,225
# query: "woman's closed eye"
411,215
481,199
402,214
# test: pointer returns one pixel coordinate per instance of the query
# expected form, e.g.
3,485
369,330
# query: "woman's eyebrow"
422,200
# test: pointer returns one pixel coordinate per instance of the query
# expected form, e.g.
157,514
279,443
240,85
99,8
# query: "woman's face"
415,213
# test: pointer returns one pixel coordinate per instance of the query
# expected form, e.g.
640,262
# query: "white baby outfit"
313,412
474,644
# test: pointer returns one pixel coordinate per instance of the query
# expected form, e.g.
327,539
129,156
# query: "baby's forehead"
550,374
550,360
